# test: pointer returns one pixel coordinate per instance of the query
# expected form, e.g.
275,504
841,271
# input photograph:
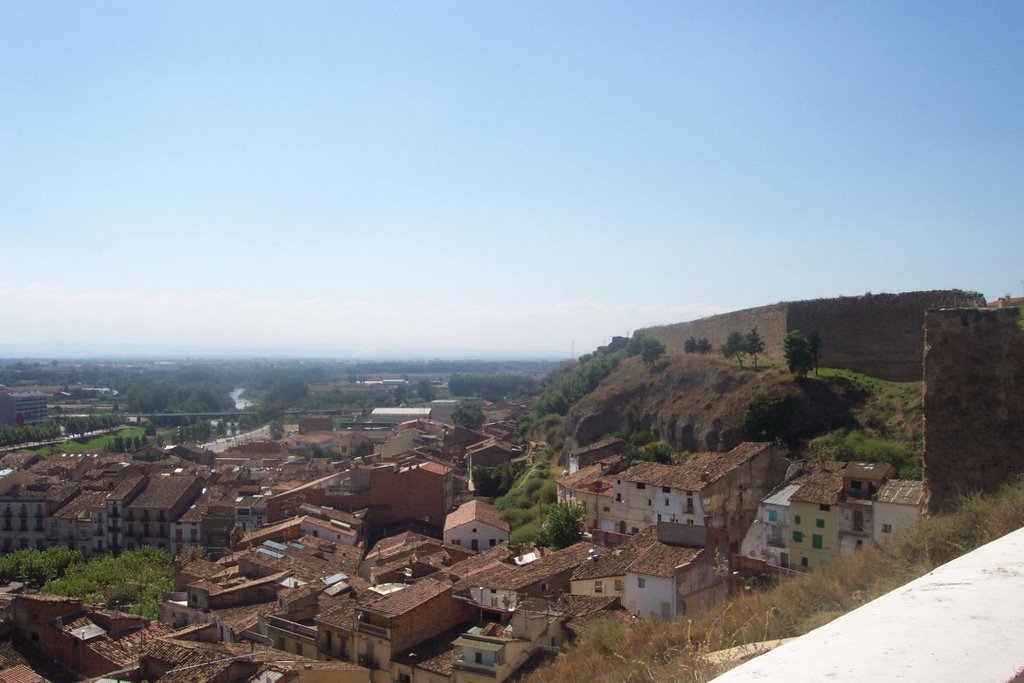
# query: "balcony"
371,630
292,627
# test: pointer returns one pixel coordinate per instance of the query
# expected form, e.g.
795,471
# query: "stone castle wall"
973,402
880,335
770,322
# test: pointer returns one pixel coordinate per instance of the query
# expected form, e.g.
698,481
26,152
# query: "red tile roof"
699,471
823,485
475,511
408,599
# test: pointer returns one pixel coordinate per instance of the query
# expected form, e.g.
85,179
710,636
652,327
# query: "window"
820,523
599,586
659,516
618,585
618,497
648,502
858,520
493,542
798,537
816,541
606,508
796,520
773,516
640,582
803,561
666,501
665,489
887,528
641,486
824,508
478,657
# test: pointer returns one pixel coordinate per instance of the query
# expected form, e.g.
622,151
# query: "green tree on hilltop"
797,352
814,345
735,346
755,344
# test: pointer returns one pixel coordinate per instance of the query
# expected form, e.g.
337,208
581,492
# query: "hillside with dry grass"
676,650
704,402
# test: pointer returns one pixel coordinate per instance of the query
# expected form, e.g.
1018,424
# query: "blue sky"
490,179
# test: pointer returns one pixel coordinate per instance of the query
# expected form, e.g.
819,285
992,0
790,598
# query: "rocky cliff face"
696,403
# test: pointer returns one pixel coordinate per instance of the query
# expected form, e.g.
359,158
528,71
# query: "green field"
95,444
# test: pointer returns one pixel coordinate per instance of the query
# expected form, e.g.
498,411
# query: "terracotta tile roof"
10,657
511,577
609,562
569,605
163,492
580,625
124,650
435,468
475,511
699,471
124,487
583,477
661,559
338,611
597,445
823,485
478,563
408,599
239,619
433,655
86,500
21,674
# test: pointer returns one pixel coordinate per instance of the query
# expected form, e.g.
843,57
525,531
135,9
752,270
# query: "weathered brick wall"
880,335
973,402
428,620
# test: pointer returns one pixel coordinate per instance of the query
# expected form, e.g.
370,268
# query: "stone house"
717,490
676,570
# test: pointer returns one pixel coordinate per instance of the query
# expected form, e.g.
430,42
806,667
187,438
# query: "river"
240,403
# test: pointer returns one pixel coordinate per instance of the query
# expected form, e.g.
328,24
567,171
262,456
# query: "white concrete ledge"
962,622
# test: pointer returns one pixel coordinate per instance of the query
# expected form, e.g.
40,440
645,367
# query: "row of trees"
491,387
694,345
11,435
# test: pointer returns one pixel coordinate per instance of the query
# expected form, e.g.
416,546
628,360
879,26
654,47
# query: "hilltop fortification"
877,334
